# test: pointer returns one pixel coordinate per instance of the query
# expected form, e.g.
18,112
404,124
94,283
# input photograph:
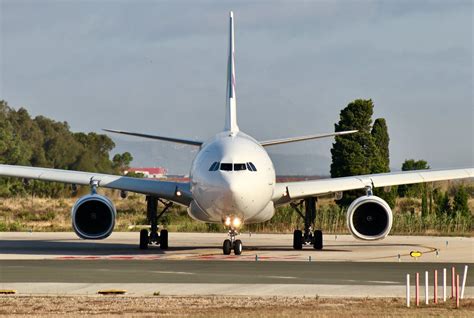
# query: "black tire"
144,239
297,240
318,240
164,239
238,247
226,247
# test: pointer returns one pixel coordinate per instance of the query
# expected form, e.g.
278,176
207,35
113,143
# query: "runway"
59,263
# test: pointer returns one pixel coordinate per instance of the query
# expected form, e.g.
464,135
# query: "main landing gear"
152,237
232,244
307,237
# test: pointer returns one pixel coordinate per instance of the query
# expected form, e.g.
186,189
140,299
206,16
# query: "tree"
359,153
413,190
460,201
443,204
424,202
122,162
47,143
381,140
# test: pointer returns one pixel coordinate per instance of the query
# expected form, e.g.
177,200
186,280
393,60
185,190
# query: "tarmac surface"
60,263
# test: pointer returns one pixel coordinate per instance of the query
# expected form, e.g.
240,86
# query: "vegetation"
45,214
43,142
364,152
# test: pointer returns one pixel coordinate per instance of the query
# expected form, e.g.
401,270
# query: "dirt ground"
222,306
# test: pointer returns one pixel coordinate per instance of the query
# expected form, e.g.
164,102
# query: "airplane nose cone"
236,195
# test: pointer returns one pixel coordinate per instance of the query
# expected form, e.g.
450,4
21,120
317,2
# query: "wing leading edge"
273,142
163,189
170,139
288,191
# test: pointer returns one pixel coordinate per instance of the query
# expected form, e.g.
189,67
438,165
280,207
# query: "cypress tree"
354,154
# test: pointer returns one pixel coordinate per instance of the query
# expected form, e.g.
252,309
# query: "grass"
45,214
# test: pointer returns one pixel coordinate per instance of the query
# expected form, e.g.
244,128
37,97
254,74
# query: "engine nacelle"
93,217
369,218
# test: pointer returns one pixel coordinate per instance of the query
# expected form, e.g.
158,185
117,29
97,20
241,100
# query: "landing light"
236,222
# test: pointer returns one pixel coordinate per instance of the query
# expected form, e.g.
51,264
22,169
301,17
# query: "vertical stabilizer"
231,104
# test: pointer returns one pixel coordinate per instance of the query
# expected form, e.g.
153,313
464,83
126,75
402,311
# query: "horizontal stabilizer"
273,142
176,140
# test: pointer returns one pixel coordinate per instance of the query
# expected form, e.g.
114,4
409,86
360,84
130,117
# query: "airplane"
232,182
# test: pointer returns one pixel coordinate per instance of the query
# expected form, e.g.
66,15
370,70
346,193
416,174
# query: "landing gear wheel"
164,239
318,240
297,240
238,247
144,239
226,247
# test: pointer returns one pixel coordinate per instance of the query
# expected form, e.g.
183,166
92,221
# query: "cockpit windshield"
239,166
226,166
214,166
223,166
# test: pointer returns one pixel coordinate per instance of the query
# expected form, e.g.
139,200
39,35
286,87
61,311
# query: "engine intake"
93,217
369,218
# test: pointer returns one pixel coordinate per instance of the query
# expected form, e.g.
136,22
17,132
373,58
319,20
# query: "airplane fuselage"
232,176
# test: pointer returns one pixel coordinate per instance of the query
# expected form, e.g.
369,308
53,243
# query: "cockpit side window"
226,166
214,166
239,166
252,166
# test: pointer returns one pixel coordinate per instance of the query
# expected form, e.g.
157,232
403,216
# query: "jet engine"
369,218
93,217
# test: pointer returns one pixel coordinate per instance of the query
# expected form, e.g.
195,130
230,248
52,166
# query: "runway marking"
383,282
171,272
283,277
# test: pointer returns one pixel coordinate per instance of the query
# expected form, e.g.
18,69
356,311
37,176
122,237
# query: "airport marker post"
408,290
426,288
457,291
444,284
464,281
453,279
417,290
435,292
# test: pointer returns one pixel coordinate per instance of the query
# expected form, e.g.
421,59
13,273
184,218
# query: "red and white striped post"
408,290
417,290
453,280
427,300
435,292
457,291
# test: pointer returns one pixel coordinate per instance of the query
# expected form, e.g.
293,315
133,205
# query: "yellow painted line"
7,291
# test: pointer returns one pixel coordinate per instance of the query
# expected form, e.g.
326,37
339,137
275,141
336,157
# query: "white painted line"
170,272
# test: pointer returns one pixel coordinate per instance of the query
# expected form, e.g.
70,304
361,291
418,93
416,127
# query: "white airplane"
232,182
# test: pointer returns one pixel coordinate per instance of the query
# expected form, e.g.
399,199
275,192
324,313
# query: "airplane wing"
176,140
273,142
163,189
289,191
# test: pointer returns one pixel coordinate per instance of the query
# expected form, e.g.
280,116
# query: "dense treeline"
43,142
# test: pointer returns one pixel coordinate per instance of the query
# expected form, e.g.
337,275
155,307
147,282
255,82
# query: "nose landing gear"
232,244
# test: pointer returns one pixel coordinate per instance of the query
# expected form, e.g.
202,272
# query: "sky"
159,67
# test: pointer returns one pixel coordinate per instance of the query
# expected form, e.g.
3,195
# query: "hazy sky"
160,67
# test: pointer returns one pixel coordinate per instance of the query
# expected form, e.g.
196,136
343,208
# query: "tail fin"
231,104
